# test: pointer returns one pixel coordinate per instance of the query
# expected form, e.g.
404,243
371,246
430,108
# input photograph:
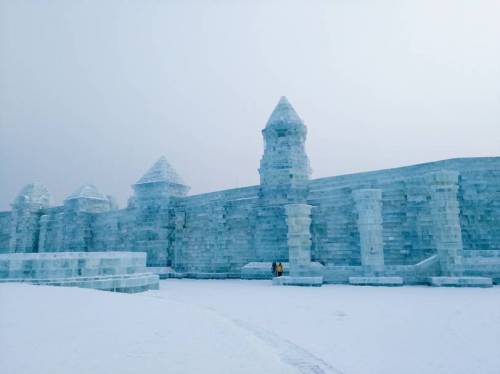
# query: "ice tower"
159,184
26,211
284,176
79,210
153,193
284,167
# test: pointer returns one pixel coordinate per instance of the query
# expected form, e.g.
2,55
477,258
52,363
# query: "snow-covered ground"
193,326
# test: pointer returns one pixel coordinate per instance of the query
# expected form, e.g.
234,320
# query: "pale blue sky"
96,91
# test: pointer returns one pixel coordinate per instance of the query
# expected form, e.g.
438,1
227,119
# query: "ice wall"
406,215
378,219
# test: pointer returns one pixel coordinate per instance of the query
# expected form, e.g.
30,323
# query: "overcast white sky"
96,91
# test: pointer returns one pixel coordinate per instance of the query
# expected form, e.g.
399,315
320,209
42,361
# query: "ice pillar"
369,208
445,210
298,219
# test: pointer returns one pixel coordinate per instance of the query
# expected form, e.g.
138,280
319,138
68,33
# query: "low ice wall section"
115,271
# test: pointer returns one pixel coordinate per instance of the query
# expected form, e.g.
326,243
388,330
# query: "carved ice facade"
416,222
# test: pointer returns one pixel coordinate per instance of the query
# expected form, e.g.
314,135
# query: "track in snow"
289,352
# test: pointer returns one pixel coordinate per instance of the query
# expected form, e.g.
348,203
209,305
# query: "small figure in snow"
274,268
280,269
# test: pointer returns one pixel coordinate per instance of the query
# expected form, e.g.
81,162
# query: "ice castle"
435,223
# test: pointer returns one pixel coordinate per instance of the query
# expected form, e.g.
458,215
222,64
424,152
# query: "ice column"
444,209
298,219
369,208
44,221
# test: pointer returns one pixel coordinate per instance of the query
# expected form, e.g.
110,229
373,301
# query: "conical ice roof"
161,171
87,191
284,113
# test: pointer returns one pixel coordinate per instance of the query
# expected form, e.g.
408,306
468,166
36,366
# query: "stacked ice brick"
113,271
415,222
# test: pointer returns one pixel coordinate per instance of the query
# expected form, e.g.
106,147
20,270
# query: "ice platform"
109,271
260,270
298,281
376,281
461,282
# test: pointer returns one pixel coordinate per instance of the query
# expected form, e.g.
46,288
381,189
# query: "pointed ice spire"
161,171
284,113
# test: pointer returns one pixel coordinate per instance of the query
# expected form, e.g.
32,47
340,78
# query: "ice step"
376,281
298,281
461,282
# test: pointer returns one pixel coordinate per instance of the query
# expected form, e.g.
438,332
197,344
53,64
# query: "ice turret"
284,179
26,211
161,171
87,198
151,203
80,210
284,168
160,183
87,191
33,196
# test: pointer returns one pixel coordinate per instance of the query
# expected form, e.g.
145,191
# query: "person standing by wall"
280,269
